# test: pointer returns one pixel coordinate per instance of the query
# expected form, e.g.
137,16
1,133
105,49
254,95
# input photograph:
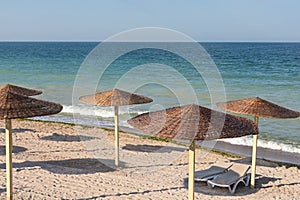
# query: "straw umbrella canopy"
257,107
192,122
115,97
14,106
19,90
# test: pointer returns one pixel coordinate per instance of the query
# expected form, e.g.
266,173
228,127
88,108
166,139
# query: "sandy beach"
62,161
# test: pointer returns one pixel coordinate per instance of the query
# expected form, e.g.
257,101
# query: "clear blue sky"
203,20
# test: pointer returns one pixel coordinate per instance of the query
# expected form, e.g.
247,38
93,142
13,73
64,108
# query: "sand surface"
60,161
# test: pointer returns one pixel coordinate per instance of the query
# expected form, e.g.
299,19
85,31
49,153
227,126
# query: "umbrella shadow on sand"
76,166
18,130
262,182
70,166
67,138
2,190
16,149
152,148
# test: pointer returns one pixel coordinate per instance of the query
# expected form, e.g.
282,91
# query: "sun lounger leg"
247,177
232,190
247,180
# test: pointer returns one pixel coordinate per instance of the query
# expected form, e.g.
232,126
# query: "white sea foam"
89,111
104,112
247,141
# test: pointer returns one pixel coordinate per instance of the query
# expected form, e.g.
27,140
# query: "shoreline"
262,153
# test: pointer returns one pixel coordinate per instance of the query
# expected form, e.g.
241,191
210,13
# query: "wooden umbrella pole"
9,186
191,171
116,135
254,148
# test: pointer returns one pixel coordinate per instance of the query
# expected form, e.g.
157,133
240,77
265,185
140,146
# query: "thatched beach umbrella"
19,90
115,97
257,107
14,106
192,122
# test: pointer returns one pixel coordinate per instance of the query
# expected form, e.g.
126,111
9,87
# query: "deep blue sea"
267,70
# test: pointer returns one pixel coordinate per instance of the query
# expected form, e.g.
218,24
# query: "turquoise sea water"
268,70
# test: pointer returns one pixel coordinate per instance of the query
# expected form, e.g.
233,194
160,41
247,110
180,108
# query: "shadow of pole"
131,193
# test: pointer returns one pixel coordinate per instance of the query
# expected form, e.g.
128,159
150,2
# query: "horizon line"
204,41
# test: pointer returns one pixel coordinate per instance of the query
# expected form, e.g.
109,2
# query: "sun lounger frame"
245,179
